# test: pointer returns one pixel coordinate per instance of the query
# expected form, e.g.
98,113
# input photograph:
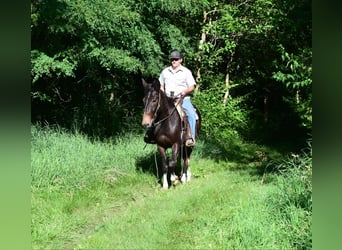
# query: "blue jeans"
191,113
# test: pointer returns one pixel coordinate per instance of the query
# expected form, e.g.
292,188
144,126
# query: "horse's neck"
167,108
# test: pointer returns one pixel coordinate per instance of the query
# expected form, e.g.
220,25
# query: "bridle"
157,109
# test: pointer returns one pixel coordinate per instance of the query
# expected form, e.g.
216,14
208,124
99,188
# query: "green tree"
255,55
225,25
83,56
240,50
295,72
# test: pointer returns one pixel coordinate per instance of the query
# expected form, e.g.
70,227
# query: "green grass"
199,215
88,194
65,160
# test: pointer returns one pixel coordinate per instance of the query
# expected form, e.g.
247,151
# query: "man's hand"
187,91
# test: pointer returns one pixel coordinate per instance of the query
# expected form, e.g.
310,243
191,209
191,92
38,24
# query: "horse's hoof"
173,178
176,182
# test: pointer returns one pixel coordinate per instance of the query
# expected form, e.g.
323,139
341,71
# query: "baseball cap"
175,54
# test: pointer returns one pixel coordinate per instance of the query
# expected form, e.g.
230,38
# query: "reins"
165,118
156,164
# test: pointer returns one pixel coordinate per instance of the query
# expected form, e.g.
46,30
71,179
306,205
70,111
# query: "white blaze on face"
147,119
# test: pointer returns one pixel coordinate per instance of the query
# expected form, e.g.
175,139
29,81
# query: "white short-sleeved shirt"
176,81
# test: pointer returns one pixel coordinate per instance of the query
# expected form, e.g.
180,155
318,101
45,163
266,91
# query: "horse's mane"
170,100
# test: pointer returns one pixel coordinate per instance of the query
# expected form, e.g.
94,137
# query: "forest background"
251,60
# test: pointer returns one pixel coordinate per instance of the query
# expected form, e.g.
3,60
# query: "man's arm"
162,88
161,81
188,90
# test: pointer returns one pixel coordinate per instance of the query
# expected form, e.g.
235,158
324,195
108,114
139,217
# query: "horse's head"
151,102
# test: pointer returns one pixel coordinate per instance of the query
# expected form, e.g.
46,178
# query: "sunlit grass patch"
113,200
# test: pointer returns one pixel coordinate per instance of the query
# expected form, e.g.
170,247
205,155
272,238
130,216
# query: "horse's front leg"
162,152
173,162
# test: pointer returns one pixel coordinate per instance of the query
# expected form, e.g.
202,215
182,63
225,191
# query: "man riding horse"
165,126
177,82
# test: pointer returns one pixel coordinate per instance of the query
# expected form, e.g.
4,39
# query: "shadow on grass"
147,164
241,156
151,163
232,155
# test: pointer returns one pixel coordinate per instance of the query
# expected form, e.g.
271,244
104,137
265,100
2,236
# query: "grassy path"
104,196
209,212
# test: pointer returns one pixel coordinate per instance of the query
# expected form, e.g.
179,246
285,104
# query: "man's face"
176,62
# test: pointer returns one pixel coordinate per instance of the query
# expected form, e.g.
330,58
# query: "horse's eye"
154,100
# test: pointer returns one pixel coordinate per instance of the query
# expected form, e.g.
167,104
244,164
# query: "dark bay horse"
161,116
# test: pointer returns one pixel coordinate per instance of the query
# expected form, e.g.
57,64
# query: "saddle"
180,111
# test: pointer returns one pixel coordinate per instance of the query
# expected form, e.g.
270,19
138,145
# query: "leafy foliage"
88,57
295,71
45,66
220,120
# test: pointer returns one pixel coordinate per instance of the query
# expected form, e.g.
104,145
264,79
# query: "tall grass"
292,200
89,194
71,173
71,160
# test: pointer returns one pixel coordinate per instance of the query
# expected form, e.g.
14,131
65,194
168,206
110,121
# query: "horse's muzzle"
147,120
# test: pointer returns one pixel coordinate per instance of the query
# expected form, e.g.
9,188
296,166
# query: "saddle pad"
181,112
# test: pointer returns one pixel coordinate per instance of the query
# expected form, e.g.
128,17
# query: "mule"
167,129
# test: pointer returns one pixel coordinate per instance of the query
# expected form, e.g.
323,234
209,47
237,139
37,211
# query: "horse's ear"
144,83
156,84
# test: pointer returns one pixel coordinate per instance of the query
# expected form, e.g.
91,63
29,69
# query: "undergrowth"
292,199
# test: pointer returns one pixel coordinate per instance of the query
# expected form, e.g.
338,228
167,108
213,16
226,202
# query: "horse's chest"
168,138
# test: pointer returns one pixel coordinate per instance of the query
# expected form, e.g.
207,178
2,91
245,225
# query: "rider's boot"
189,139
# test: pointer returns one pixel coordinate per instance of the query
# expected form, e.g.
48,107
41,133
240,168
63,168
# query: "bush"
221,122
292,200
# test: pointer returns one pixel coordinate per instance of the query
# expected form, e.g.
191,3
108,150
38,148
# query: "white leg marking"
173,177
183,179
188,175
165,184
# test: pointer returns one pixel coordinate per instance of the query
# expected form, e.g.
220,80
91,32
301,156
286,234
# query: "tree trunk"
226,95
266,109
203,39
227,80
200,47
111,97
